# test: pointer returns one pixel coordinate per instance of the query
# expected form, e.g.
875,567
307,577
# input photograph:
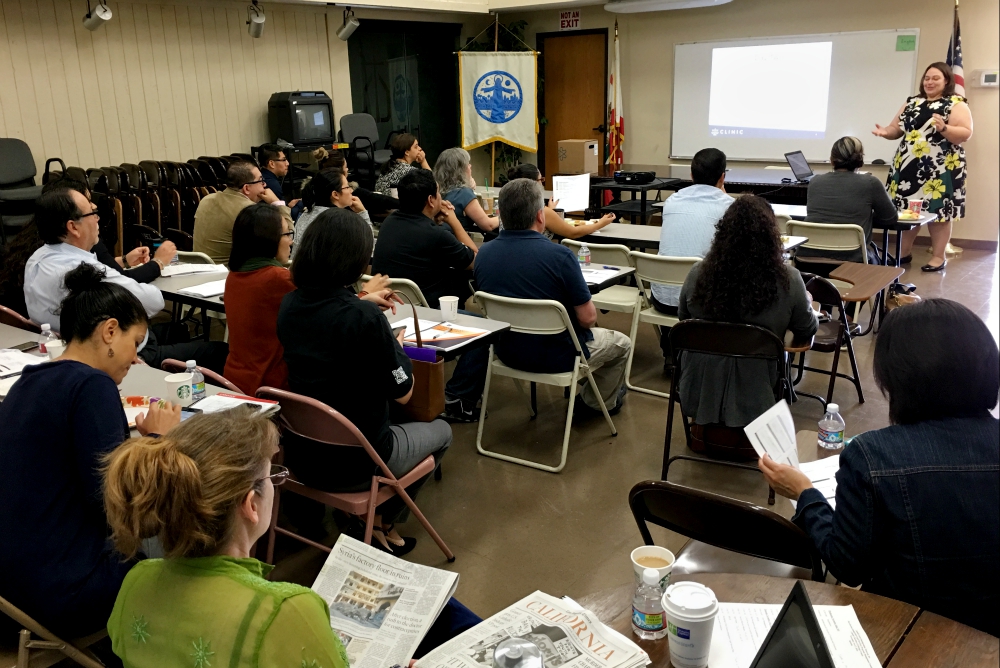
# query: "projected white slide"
776,91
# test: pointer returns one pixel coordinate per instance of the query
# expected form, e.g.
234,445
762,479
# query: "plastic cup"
653,551
690,609
179,388
449,308
55,348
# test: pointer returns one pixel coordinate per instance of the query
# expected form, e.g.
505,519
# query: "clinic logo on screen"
726,132
497,96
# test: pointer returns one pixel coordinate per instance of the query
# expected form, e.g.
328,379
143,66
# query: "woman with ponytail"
59,419
205,490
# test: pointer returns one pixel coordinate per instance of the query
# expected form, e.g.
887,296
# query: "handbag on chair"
427,401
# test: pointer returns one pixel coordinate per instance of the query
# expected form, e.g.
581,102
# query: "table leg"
642,206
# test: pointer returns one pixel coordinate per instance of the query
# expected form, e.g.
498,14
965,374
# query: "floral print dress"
927,166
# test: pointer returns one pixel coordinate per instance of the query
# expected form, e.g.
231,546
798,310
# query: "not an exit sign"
569,20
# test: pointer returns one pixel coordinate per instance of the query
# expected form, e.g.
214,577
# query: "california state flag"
616,122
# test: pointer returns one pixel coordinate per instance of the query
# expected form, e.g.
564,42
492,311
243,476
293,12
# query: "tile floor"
515,529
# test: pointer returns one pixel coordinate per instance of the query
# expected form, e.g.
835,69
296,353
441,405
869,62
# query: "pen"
607,267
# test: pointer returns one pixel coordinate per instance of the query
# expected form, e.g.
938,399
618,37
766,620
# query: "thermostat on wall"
986,78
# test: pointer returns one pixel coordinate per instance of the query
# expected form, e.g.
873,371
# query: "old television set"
301,117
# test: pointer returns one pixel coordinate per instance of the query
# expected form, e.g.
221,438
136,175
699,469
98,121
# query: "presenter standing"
930,162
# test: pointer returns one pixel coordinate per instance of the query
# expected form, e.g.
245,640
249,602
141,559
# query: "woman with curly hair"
743,279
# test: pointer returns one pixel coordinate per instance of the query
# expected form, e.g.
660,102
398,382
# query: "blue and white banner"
499,98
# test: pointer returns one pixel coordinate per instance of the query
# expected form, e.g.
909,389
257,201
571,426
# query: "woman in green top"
205,490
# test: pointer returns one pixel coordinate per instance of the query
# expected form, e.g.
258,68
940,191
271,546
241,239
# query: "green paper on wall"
906,42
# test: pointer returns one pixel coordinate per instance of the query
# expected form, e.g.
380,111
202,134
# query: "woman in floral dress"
930,162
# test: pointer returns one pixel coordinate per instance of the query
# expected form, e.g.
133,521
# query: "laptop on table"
800,166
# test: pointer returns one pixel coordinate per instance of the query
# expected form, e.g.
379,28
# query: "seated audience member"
340,350
374,202
413,244
453,173
556,226
59,419
522,263
329,188
213,221
918,503
69,233
743,279
274,169
689,219
255,286
845,196
406,156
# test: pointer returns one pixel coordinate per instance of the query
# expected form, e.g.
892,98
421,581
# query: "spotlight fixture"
95,18
350,25
255,19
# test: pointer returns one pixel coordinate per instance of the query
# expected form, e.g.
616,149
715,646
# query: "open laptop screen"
800,166
795,639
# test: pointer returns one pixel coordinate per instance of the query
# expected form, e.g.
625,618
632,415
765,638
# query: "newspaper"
567,635
381,607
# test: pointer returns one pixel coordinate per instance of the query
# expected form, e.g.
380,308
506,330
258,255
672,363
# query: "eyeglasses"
289,234
253,183
87,215
279,474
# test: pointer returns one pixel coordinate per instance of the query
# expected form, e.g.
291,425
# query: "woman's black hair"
321,187
92,300
399,145
256,233
334,250
936,359
745,265
525,170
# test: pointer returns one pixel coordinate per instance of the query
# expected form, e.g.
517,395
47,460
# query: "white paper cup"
55,348
653,551
690,609
449,308
394,193
179,388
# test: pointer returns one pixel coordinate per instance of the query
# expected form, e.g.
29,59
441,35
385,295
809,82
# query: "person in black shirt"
59,420
340,350
274,169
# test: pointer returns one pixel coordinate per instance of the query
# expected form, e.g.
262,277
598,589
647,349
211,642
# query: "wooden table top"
866,280
938,641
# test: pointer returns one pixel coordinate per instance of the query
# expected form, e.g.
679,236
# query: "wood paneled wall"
161,80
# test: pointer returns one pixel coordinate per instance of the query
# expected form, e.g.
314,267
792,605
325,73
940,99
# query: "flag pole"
493,144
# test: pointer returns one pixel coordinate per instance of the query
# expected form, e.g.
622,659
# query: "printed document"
572,192
773,433
822,473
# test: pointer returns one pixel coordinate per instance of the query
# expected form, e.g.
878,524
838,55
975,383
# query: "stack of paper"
822,473
205,290
185,269
12,362
597,275
223,401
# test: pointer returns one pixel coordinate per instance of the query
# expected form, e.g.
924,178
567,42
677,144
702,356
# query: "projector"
634,178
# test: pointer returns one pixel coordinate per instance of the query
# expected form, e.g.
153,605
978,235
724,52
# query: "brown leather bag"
427,401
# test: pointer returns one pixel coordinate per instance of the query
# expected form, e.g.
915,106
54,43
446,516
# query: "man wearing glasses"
274,168
216,214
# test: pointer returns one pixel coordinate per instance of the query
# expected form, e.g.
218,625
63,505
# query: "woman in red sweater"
257,282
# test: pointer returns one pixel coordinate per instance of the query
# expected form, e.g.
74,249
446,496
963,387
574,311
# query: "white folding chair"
37,647
831,237
650,268
194,257
402,285
620,298
543,317
782,221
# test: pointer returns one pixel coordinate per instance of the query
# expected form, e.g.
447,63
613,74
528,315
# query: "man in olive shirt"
216,214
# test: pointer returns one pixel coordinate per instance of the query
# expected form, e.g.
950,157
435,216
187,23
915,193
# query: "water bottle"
517,653
45,337
584,255
197,381
648,621
831,429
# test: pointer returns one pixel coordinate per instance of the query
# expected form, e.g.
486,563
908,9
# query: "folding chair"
312,419
402,285
14,319
177,366
619,298
652,268
195,257
544,317
50,649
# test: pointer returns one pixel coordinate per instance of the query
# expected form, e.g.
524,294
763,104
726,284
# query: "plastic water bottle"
831,429
45,337
197,381
584,255
648,621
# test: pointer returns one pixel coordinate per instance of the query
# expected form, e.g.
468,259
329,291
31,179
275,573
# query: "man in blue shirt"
689,219
274,169
522,263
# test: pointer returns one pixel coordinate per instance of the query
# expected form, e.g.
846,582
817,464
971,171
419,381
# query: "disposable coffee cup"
561,213
690,609
658,558
394,193
916,205
449,308
55,349
179,388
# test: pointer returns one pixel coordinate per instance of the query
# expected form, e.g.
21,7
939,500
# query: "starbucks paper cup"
690,608
654,552
55,349
179,388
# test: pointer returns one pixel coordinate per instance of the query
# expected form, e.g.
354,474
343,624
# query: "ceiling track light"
255,19
350,25
96,17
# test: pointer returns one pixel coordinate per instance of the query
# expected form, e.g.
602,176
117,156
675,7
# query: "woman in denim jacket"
918,503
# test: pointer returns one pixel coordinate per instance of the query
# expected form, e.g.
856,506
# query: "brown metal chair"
312,419
177,366
47,648
11,317
727,535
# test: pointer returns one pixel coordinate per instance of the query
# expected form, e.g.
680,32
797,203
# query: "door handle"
602,128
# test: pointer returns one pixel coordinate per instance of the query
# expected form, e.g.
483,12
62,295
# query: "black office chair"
363,156
727,535
18,191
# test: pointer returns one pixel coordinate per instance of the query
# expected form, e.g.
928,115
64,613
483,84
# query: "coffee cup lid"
691,600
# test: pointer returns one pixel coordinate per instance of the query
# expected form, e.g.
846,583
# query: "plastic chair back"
782,220
410,290
17,166
528,316
652,268
193,257
829,236
14,319
177,366
355,126
726,523
614,254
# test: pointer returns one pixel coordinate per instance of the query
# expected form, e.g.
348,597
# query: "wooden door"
575,90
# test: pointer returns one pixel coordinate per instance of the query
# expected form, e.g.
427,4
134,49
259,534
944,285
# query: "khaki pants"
608,356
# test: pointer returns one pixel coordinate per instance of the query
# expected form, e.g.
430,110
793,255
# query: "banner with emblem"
499,92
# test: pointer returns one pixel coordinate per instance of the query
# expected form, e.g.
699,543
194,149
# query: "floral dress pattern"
390,179
927,166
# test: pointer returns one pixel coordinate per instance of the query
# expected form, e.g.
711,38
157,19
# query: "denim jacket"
918,517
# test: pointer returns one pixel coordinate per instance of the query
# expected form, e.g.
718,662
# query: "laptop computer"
795,638
800,166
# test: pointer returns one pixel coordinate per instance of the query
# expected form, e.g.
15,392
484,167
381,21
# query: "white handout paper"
773,433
